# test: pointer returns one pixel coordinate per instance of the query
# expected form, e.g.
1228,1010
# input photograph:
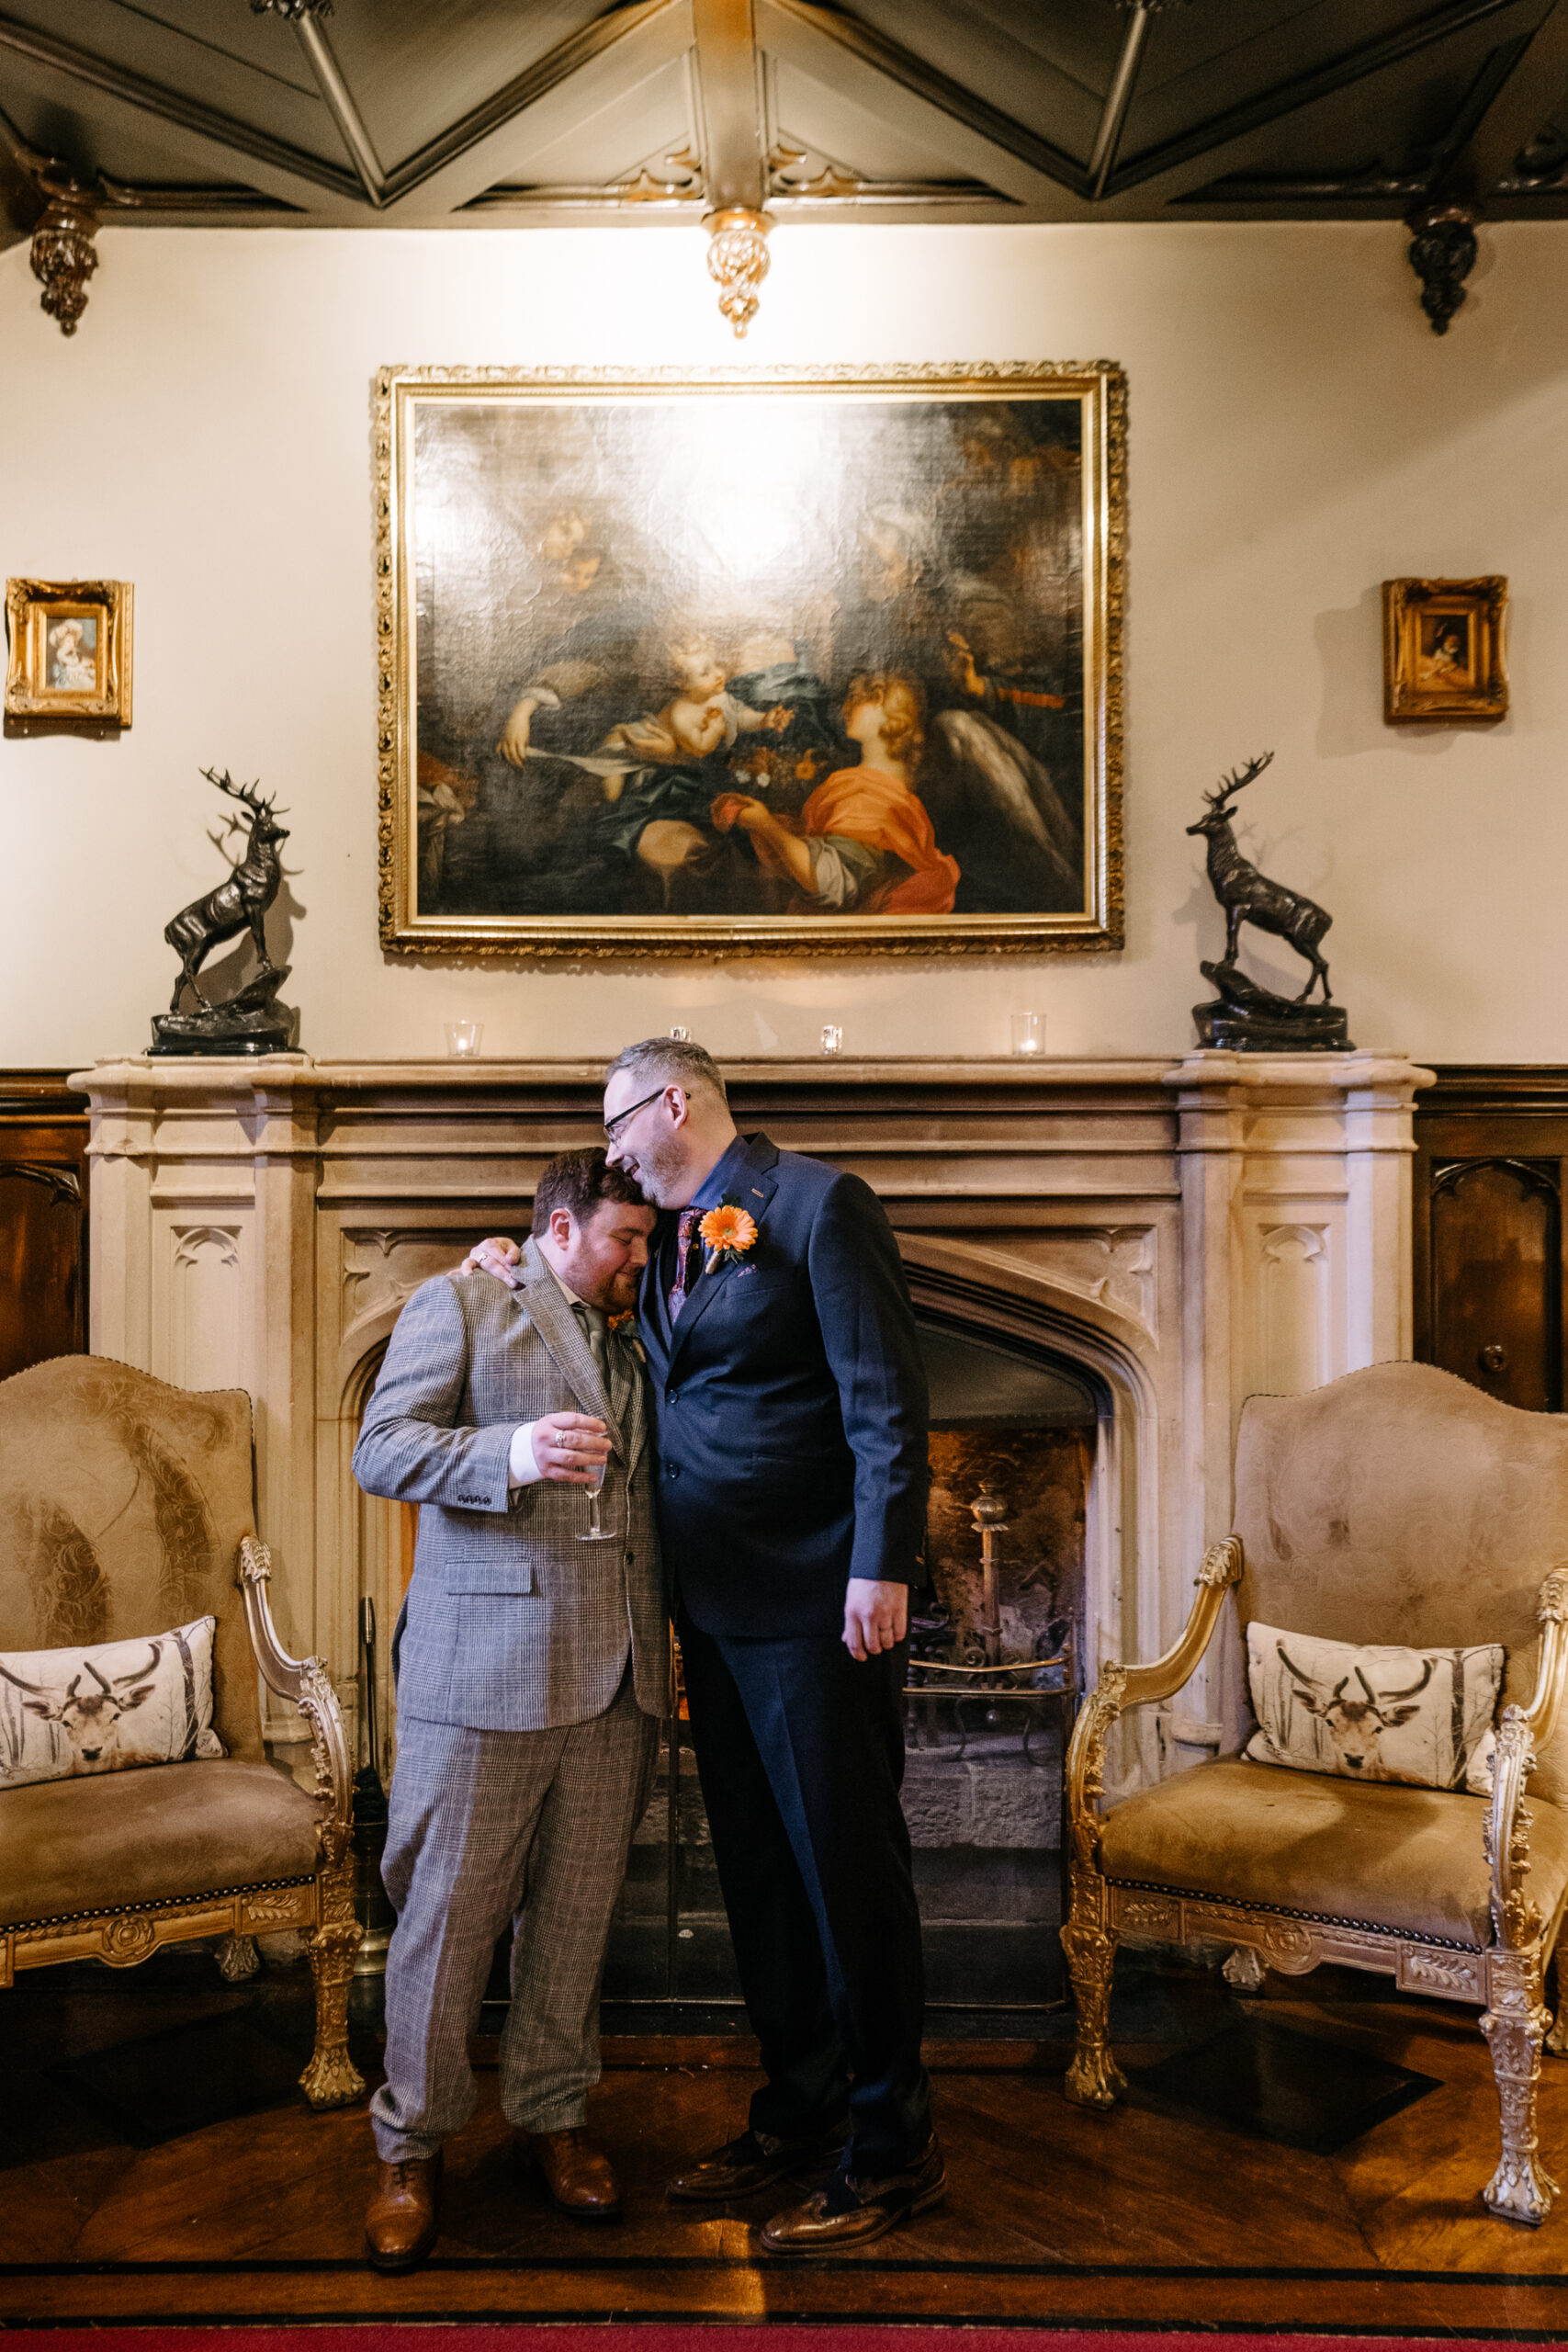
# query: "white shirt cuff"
522,1470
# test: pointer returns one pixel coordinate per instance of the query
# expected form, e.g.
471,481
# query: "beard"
662,1171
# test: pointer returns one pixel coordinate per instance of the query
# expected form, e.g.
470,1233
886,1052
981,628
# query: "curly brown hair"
903,700
579,1181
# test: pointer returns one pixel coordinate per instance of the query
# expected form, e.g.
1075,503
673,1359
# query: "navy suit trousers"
800,1752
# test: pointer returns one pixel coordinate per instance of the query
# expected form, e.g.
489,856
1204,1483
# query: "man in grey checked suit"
531,1669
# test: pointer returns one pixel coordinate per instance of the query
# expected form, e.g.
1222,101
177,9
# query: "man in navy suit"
790,1419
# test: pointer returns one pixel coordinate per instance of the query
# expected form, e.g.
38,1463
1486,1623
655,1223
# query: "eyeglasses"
612,1126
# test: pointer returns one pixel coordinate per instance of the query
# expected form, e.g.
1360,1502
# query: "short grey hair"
671,1062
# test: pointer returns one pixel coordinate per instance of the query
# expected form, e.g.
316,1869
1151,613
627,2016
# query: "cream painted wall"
1297,435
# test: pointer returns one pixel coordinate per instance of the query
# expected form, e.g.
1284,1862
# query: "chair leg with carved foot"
332,2078
1521,2190
1094,2079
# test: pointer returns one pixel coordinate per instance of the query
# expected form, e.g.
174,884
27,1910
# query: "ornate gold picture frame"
70,651
1444,659
742,662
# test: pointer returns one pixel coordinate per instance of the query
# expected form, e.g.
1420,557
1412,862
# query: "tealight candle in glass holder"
832,1036
463,1039
1029,1032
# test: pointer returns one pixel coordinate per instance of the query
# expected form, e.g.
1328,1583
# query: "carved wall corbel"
1442,254
65,256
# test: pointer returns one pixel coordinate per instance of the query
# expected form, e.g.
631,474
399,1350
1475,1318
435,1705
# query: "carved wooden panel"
43,1219
1497,1277
1491,1164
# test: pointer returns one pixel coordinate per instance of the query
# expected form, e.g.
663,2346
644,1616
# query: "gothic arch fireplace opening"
993,1679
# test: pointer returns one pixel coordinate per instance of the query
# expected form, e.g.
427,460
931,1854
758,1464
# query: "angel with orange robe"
863,839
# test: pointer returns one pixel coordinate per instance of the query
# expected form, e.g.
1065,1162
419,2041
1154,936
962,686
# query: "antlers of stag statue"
1237,781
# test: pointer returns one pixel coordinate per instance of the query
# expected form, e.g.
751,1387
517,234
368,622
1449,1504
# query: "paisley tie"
686,1246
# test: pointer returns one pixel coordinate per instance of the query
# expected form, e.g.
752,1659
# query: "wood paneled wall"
1491,1173
43,1219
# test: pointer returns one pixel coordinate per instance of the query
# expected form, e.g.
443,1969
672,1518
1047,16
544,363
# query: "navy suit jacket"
790,1409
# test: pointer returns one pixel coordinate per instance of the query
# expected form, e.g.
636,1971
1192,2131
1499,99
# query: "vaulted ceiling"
429,113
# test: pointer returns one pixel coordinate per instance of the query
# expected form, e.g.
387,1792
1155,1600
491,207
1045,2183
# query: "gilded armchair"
125,1508
1395,1505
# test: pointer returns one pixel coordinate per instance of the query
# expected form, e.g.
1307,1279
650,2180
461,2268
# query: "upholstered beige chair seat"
151,1836
1397,1504
1358,1853
128,1507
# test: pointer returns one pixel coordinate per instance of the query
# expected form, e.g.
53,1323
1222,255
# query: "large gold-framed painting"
736,661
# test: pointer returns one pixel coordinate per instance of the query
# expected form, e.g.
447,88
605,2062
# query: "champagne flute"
594,1532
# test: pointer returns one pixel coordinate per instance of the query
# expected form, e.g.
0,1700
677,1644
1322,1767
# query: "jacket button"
671,1469
670,1395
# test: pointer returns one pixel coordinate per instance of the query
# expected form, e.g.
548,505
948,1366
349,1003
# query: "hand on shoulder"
498,1257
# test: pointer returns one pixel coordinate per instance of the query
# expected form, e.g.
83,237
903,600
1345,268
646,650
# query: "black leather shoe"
850,2212
754,2161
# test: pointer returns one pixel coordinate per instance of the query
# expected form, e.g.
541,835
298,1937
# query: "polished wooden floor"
1053,2216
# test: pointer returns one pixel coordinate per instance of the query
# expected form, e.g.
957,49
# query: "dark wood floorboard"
1052,2215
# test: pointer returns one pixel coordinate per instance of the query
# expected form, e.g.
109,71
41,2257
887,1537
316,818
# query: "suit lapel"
753,1186
562,1334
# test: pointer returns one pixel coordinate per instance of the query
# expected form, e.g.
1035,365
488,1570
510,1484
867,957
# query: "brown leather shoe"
578,2177
399,2223
753,2161
850,2212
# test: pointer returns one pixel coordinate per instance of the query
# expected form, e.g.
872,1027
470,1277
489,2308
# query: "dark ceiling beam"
1117,98
871,71
1517,108
559,91
1228,142
732,137
282,171
340,105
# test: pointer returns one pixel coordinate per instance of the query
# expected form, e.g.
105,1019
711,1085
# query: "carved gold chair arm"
1521,1735
307,1684
1123,1687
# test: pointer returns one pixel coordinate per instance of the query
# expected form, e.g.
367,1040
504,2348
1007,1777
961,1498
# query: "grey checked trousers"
487,1825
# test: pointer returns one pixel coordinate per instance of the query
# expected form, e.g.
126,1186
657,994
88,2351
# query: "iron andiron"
249,1021
1244,1016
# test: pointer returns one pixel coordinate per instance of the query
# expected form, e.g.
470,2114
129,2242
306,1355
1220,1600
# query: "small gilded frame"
70,651
1443,654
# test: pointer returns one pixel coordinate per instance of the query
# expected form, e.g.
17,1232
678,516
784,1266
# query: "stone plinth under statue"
250,1022
1252,1020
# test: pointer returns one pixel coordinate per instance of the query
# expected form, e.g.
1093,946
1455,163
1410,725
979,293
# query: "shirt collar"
561,1285
711,1190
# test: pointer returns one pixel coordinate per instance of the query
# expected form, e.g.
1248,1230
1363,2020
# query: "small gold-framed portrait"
1444,657
69,644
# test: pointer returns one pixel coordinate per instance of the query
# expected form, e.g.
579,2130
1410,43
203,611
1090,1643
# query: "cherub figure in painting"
1447,663
73,664
702,716
863,839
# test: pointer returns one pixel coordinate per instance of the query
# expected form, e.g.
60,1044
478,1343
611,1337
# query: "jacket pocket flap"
495,1576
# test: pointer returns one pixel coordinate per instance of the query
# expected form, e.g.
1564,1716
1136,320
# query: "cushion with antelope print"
99,1710
1381,1713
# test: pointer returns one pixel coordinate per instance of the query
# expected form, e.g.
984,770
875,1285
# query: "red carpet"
721,2336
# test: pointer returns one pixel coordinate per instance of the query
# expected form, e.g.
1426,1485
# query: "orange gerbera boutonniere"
726,1233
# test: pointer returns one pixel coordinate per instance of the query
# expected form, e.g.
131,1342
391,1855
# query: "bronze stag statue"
249,1021
1246,1016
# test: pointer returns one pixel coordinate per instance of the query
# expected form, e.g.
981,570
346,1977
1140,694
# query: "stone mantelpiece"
1191,1231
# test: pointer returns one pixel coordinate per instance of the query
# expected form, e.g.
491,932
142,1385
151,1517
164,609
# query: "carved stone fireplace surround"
1188,1232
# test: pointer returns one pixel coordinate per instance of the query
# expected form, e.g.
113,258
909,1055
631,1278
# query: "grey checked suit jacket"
511,1624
